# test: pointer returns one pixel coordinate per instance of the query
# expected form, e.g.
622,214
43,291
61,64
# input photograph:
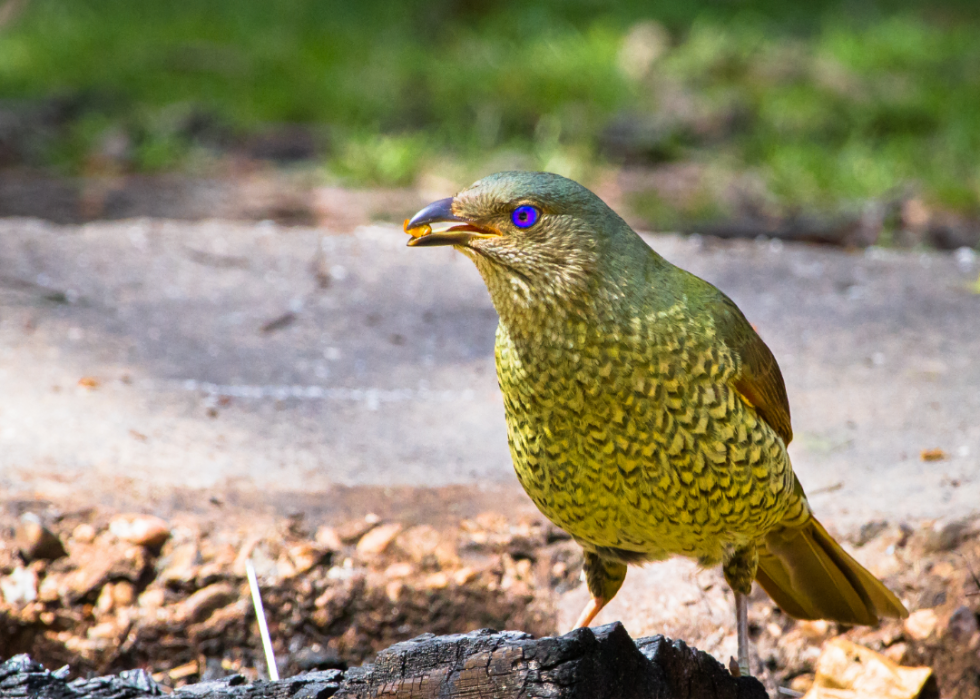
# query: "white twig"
270,656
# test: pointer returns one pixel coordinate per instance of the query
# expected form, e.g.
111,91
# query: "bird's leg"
740,571
742,631
603,578
594,606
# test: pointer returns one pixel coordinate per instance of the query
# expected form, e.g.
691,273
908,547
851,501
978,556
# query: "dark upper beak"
419,226
436,212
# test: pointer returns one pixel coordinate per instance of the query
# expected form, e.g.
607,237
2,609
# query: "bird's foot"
738,669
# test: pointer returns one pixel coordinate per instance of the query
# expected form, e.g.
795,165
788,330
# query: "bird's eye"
525,216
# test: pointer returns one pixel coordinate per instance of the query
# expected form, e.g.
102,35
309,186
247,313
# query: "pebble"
436,581
37,542
378,539
84,533
355,529
814,630
921,624
48,590
328,538
943,535
141,530
399,570
200,605
153,598
464,576
20,587
305,556
962,624
108,630
181,566
98,563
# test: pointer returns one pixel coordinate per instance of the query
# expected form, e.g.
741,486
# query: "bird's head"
535,237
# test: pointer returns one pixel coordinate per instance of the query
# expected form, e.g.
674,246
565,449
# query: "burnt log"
601,663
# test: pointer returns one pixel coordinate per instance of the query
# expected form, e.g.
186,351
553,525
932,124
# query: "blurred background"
214,344
749,109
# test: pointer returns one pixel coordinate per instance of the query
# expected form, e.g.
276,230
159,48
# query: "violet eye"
525,216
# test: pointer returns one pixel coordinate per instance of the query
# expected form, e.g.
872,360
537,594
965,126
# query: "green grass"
825,103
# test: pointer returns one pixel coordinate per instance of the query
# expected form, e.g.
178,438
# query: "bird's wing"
759,382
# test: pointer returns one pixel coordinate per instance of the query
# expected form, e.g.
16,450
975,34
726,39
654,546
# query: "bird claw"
733,667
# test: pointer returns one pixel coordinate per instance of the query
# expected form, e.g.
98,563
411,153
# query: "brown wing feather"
760,382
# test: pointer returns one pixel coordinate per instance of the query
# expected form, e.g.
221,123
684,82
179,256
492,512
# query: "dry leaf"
846,670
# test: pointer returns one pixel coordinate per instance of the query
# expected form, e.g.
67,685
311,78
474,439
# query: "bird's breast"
632,438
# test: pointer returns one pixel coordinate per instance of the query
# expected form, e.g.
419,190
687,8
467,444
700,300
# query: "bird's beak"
420,226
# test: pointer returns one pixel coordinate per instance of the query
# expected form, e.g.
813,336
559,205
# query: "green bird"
645,415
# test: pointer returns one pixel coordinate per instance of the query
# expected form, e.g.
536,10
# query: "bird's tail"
810,576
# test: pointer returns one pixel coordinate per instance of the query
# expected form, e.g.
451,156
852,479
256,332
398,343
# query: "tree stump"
600,663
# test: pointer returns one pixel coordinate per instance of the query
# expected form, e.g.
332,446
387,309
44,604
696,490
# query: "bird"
645,415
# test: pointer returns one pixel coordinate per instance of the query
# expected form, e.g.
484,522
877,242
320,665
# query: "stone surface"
386,377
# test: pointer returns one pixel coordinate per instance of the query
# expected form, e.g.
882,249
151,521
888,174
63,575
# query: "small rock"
921,624
37,542
123,594
49,589
378,539
305,556
426,547
962,624
20,587
84,533
204,602
436,581
869,530
393,590
895,652
104,631
99,562
464,575
181,565
328,538
943,535
399,570
106,602
152,599
355,529
141,530
814,630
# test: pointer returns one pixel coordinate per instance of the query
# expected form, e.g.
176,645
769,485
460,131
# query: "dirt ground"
230,377
105,591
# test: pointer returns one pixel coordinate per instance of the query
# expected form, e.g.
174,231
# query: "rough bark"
601,663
